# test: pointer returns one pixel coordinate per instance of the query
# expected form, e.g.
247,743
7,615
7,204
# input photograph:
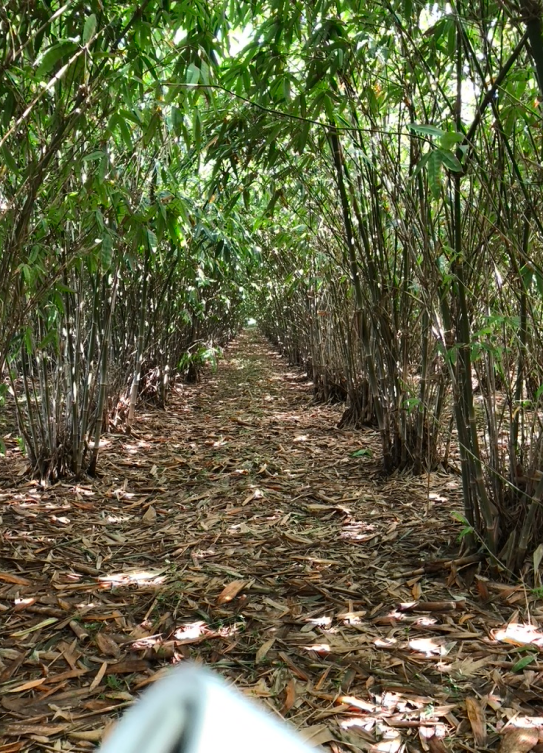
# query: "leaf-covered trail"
242,529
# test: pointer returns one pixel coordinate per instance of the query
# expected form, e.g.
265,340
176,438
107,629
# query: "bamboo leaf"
450,138
197,129
523,663
9,160
434,173
539,284
89,29
53,55
426,130
421,164
106,250
449,160
193,74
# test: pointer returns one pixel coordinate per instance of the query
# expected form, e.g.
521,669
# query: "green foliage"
200,356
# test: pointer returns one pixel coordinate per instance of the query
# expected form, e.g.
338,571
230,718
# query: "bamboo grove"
363,178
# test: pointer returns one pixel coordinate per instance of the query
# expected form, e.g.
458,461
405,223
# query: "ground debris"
242,529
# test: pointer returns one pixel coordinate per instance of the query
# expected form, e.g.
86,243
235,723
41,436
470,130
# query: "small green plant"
411,404
113,682
524,661
200,357
467,529
364,453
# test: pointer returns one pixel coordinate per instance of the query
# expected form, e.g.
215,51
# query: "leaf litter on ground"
242,529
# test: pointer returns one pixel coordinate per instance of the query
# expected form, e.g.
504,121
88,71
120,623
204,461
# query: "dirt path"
242,529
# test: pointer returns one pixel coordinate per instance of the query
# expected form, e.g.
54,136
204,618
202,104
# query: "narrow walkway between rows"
241,528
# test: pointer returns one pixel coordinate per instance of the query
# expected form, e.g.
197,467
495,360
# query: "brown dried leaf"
15,579
28,685
290,696
476,716
436,745
90,735
519,740
318,734
127,667
263,651
99,677
416,591
149,516
230,591
43,730
107,645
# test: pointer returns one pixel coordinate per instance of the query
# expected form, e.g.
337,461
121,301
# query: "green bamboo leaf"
28,339
9,160
450,138
426,130
451,38
7,109
151,129
106,250
193,74
272,202
150,66
93,156
329,107
527,273
204,72
303,135
449,160
197,130
434,173
89,29
522,663
126,134
421,164
51,57
44,623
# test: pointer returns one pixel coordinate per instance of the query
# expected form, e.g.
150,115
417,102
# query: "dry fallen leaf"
90,735
519,740
149,516
99,677
436,745
16,579
230,591
290,696
416,591
11,747
318,734
263,651
476,716
107,645
27,685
